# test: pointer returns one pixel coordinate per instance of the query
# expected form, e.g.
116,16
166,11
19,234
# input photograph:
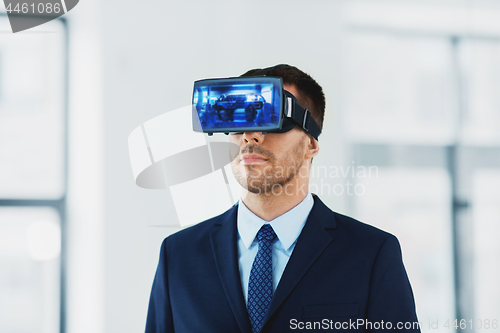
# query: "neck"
269,206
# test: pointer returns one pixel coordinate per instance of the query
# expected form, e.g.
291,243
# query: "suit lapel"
311,243
224,246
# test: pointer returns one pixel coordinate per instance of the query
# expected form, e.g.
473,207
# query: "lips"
253,158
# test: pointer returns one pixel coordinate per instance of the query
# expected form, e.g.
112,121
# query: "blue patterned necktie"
260,284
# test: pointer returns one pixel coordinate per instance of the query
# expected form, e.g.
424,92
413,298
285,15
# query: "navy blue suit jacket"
340,271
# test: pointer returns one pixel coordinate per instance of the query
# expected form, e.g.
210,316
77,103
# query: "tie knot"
266,233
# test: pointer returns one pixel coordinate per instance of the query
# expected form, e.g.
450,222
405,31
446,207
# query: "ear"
312,148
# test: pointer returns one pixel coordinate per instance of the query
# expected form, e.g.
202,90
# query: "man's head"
274,163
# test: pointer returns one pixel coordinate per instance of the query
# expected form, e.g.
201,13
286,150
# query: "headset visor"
247,104
237,104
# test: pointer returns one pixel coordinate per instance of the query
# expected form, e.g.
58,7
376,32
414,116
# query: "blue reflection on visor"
238,104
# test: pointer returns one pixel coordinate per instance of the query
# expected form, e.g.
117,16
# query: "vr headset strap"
302,116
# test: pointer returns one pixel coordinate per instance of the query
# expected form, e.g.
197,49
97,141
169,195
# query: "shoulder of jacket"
362,229
200,229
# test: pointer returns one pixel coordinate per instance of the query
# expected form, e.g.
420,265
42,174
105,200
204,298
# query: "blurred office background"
411,143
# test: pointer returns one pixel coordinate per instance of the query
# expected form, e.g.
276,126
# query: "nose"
253,137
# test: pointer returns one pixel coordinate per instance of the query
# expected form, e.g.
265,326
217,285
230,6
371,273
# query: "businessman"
280,260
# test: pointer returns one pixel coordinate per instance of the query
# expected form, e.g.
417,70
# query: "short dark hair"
311,93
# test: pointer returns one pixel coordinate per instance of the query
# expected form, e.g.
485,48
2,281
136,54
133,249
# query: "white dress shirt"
287,227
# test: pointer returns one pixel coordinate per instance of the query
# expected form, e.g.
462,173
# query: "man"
280,260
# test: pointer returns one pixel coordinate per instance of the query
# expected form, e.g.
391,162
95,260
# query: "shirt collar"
287,226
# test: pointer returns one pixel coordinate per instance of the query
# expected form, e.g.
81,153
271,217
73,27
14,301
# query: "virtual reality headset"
248,104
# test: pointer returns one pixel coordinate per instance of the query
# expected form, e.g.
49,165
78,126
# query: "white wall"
85,243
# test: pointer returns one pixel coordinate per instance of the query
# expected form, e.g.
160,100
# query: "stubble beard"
274,175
